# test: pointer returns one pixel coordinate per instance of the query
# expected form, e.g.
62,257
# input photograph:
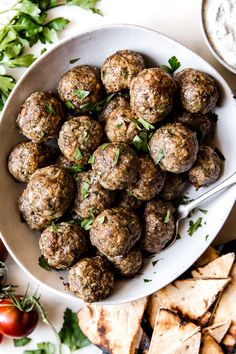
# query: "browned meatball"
121,125
26,158
63,161
117,101
90,279
119,69
115,231
91,197
200,123
34,221
128,201
173,187
80,86
128,265
151,94
206,169
41,116
159,226
50,192
174,147
79,137
150,179
116,165
198,92
62,244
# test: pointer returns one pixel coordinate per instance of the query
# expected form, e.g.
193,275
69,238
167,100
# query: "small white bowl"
208,42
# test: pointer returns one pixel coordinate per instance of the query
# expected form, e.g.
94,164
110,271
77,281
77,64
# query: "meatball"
90,279
119,69
118,101
174,147
62,245
116,165
151,94
91,197
41,116
80,86
26,158
159,226
63,161
34,221
115,231
198,92
121,126
128,201
150,180
173,187
79,137
200,123
128,265
50,192
206,169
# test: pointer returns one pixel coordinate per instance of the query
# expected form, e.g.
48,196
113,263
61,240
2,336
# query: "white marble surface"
177,19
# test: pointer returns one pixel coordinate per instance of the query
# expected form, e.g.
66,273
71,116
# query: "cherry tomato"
14,322
3,252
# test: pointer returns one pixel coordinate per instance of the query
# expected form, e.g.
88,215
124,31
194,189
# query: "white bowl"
93,47
208,42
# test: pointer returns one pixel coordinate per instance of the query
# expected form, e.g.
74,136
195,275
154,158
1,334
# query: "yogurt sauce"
219,18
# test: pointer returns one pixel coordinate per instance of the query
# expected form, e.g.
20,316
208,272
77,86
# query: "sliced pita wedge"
204,319
114,328
218,268
189,346
217,330
190,297
226,310
209,345
208,256
170,332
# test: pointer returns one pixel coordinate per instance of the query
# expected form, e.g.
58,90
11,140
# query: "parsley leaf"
206,237
6,86
97,107
21,342
87,5
72,61
71,334
118,153
85,189
193,226
140,142
69,105
167,217
204,211
78,154
81,94
43,263
145,124
174,65
87,223
50,109
160,156
101,219
147,280
104,146
43,348
91,160
75,168
219,153
54,226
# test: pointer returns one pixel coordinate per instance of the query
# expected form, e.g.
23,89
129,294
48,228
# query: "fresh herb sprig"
194,226
174,64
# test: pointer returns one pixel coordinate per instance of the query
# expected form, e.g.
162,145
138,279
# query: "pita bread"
209,345
170,333
190,297
189,346
114,328
208,256
226,310
217,330
203,321
218,268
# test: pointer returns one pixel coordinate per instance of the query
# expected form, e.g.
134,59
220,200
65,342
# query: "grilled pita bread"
171,332
189,346
208,256
226,310
190,297
204,319
209,345
218,268
217,330
114,328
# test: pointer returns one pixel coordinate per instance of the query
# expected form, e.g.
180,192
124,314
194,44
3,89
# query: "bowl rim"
208,43
68,295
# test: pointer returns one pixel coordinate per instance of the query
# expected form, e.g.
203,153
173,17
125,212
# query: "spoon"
183,210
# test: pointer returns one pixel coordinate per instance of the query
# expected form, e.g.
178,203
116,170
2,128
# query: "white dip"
220,23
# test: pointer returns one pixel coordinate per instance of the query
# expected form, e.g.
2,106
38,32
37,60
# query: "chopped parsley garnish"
85,189
146,124
118,153
101,219
219,153
206,237
73,222
54,226
75,168
97,107
124,73
174,65
204,211
167,217
119,125
182,200
147,280
50,109
42,348
91,160
104,146
72,61
43,50
43,263
193,226
6,86
21,342
78,154
155,262
81,94
87,223
69,105
160,156
140,142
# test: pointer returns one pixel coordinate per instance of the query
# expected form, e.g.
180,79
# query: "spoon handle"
185,209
